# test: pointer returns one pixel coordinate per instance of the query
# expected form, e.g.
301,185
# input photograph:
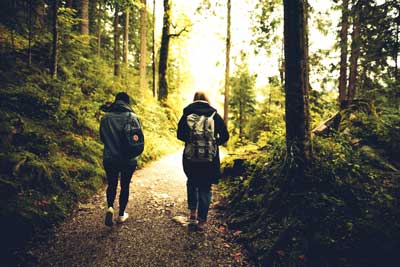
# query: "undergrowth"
50,151
347,214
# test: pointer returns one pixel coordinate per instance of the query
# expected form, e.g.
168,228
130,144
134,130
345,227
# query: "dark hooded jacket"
203,173
111,131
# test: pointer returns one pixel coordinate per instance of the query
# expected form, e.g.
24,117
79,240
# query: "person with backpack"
122,136
203,130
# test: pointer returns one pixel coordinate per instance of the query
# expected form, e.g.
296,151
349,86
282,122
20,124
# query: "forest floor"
150,237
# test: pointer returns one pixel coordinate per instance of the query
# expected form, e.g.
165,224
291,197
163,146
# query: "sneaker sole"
119,221
109,219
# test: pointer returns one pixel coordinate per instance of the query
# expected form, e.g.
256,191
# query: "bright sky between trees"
205,46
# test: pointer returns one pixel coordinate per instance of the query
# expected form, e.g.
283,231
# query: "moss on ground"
50,152
346,213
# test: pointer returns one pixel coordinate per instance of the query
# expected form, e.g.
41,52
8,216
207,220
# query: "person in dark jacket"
201,175
114,161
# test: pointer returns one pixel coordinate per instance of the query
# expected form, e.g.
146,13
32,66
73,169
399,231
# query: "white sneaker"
109,217
122,219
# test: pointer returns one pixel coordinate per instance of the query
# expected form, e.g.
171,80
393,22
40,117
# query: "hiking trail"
149,237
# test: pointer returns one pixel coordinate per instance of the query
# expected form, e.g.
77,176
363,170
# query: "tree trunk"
93,13
143,47
343,52
355,53
296,88
282,65
85,17
240,116
163,63
54,54
126,39
227,62
153,64
99,14
116,40
30,33
307,88
396,50
14,11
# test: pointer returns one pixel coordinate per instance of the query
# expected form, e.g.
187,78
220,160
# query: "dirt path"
149,238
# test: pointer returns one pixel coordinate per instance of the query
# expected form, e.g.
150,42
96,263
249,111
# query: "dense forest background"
312,173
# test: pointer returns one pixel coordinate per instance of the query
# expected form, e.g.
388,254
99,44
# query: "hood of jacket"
120,106
199,108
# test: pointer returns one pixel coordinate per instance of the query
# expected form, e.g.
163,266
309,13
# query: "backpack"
133,137
202,145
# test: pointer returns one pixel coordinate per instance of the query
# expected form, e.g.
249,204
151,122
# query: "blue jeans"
199,198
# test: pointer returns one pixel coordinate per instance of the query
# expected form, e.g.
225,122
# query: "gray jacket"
111,130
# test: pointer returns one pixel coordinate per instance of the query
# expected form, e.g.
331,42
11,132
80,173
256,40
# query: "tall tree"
163,63
297,132
227,61
116,39
54,54
397,46
126,38
307,85
343,51
243,98
85,17
355,51
153,55
99,28
143,46
30,6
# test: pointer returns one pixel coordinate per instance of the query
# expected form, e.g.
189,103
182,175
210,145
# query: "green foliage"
322,106
265,120
342,212
51,155
242,100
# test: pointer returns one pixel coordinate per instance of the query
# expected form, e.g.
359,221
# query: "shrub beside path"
149,237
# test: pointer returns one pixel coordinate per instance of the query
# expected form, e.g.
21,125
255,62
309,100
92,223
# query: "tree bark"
30,33
240,116
163,63
153,64
99,14
116,40
355,53
282,65
343,52
54,54
143,47
307,88
85,17
126,39
296,87
396,50
227,62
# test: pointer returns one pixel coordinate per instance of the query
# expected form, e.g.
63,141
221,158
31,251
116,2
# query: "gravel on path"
149,237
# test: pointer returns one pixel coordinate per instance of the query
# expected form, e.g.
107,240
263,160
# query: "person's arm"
101,131
183,133
221,130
